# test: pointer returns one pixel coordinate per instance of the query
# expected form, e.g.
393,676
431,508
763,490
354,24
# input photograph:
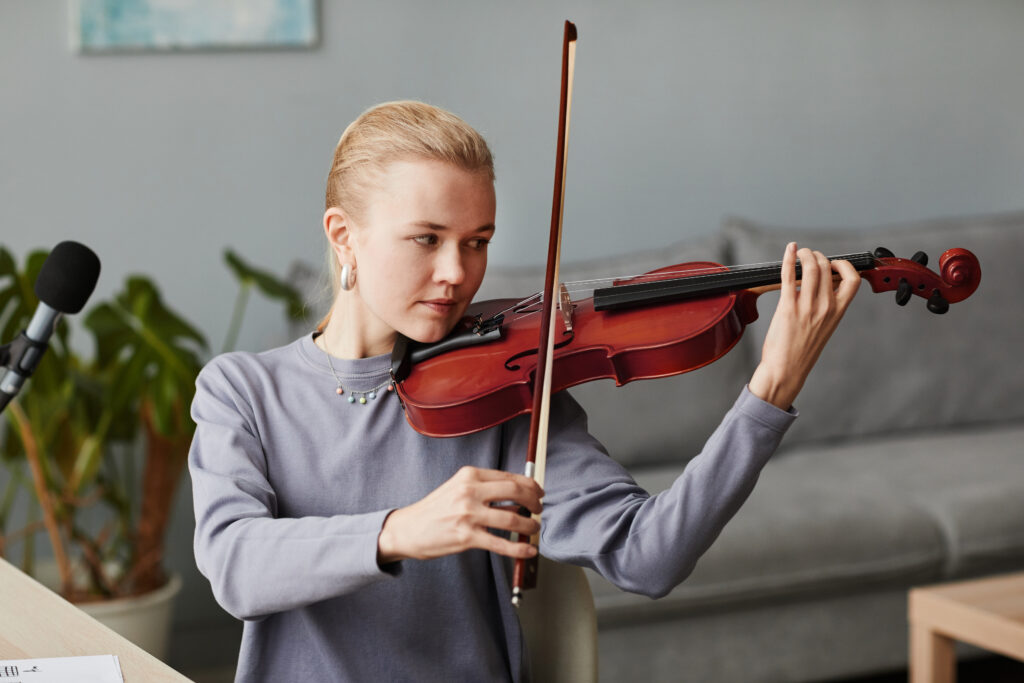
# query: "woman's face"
420,251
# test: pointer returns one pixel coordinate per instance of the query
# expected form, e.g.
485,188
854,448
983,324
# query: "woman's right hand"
456,516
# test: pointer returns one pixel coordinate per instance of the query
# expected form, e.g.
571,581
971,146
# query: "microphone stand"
20,358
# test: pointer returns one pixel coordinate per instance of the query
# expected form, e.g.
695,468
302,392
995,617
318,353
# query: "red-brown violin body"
667,322
474,388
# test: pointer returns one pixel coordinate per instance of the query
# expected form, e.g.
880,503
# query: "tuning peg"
903,291
937,303
882,252
920,257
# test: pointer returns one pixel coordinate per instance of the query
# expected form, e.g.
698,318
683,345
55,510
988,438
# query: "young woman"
355,548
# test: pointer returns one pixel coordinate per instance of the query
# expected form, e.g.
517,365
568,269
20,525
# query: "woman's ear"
338,229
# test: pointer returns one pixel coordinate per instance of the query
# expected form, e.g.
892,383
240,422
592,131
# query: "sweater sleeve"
596,516
256,563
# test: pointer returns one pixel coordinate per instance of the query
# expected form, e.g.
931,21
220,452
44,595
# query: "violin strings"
745,269
519,304
578,285
585,285
573,286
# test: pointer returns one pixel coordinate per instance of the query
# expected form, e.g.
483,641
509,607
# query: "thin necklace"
354,395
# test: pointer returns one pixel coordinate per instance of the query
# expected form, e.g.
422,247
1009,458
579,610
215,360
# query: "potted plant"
93,449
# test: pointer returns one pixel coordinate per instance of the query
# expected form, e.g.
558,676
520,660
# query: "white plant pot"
143,619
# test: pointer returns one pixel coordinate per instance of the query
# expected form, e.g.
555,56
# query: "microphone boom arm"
21,356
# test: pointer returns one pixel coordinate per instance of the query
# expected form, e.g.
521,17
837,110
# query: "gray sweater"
292,484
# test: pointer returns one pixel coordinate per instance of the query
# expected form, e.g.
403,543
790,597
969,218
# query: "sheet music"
95,669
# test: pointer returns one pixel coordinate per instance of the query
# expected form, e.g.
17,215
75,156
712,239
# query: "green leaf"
33,265
24,302
237,265
144,299
6,298
111,332
163,404
7,264
271,286
152,353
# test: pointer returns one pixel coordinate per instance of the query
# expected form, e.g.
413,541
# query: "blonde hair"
389,132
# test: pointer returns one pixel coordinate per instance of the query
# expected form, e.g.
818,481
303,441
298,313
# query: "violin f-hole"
535,351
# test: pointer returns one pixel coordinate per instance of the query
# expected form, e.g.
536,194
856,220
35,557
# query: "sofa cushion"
890,369
650,421
970,481
827,520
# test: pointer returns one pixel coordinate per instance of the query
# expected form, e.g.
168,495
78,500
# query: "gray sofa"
906,466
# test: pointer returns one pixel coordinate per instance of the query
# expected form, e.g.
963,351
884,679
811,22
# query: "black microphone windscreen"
68,277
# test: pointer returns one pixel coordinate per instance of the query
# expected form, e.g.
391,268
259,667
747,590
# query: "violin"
666,322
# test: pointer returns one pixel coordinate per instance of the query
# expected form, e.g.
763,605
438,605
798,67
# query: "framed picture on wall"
170,25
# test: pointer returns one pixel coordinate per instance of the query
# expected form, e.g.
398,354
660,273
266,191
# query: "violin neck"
763,277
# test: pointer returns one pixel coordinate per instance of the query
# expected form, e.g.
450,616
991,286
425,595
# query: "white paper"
97,669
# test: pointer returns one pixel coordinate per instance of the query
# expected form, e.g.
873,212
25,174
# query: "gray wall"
792,112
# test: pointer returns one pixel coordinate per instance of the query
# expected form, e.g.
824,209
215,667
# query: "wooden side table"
988,613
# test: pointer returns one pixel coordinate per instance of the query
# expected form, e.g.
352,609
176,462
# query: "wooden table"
36,622
988,613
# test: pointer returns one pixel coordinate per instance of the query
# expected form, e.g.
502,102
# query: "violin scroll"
960,268
959,275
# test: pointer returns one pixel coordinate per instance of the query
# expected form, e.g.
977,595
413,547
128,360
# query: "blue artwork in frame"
113,25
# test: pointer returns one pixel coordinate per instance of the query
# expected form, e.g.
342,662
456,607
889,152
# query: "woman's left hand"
803,322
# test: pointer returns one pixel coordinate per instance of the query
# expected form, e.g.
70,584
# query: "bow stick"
525,573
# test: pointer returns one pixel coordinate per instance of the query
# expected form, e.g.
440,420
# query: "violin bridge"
565,306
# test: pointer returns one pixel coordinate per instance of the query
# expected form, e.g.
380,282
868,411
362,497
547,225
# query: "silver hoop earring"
346,277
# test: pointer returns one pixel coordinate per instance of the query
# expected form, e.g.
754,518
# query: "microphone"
64,284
